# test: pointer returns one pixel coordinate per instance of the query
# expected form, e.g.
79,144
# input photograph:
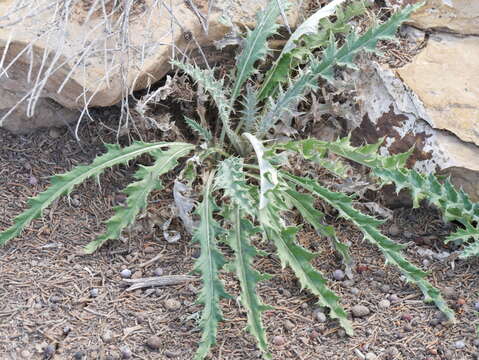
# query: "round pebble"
49,351
172,304
279,340
354,291
393,298
384,304
459,344
158,272
125,273
394,230
385,288
126,352
338,275
449,293
288,325
360,311
79,355
153,342
26,354
107,337
476,306
94,292
320,317
371,356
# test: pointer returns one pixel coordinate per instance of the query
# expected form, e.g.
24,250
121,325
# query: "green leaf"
138,192
205,133
284,238
239,240
369,227
208,265
304,204
463,235
231,179
256,46
64,184
248,120
294,51
218,92
332,56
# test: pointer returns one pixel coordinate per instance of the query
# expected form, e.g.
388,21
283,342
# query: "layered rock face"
92,53
432,102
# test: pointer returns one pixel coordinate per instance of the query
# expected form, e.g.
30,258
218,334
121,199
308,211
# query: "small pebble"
348,283
137,275
393,298
66,330
384,304
149,250
171,354
288,325
406,317
476,342
55,299
25,354
153,342
94,292
172,304
125,273
394,230
426,262
158,292
354,291
278,340
434,322
360,311
338,275
476,306
320,317
107,337
158,271
33,180
449,293
459,344
49,351
385,288
79,355
371,356
304,305
126,352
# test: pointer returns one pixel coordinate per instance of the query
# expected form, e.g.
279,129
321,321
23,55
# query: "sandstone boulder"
92,53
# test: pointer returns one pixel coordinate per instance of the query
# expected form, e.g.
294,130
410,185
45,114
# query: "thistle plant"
247,188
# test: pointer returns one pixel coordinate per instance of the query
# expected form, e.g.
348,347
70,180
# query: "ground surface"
45,291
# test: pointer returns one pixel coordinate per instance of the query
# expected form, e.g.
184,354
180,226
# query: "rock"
79,355
354,291
320,316
94,292
279,340
107,336
384,304
25,354
158,272
385,288
360,311
460,17
459,344
371,356
153,342
451,103
126,352
172,304
394,230
49,351
74,75
338,275
449,293
288,325
476,306
125,273
411,108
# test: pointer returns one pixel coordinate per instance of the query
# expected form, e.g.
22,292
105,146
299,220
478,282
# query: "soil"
57,303
47,309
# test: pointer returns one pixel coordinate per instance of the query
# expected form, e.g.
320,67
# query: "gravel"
360,311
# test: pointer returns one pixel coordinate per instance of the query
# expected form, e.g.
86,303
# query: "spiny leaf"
218,93
369,227
63,184
325,68
208,265
239,240
305,39
205,133
138,191
248,120
284,239
304,204
454,204
256,46
231,179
